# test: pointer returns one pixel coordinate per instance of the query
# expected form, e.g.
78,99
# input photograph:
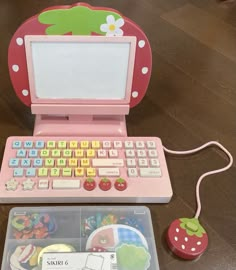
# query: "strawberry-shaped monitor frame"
76,20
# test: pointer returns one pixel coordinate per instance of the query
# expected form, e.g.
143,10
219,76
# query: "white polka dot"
199,243
193,249
177,229
176,238
19,41
141,43
144,70
25,92
134,94
15,68
183,246
186,239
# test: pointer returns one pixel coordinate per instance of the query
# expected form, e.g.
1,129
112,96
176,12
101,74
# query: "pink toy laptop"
81,69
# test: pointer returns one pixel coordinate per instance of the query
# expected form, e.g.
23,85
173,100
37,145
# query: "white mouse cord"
205,174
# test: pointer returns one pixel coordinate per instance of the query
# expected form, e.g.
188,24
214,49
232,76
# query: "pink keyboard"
68,169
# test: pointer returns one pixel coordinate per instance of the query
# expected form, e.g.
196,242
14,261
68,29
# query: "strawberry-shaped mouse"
187,238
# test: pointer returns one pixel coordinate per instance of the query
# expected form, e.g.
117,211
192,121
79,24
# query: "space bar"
65,184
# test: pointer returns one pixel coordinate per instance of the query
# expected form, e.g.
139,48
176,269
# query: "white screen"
64,70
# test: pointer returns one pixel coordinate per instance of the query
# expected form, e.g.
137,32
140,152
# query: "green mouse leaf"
184,225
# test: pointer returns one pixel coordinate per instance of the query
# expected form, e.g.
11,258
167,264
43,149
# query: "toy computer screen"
80,70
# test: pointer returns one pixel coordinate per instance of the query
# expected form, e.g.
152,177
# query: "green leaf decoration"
195,222
131,257
79,20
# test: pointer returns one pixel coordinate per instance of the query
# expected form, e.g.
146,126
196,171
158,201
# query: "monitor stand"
80,125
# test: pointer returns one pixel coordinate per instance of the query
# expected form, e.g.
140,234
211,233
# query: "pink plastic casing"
139,189
79,112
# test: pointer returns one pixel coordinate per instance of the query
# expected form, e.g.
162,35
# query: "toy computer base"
85,125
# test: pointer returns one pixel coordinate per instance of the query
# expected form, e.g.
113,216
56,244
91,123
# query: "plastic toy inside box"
126,230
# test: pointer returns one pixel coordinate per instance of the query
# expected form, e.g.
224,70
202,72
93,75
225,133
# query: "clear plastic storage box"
125,230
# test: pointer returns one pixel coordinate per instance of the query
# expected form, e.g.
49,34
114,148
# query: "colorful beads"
92,223
34,225
133,222
89,225
109,219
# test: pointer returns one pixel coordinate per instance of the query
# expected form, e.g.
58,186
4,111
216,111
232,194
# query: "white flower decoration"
112,27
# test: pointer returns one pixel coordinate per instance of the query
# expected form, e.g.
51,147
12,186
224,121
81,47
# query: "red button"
105,184
89,184
120,184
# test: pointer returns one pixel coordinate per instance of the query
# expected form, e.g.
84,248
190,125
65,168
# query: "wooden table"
191,100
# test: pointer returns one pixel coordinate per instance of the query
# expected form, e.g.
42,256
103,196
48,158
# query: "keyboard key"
13,162
66,172
49,162
44,153
131,162
55,172
18,172
95,144
25,162
73,162
142,162
84,144
129,153
66,184
150,172
33,153
151,144
61,144
79,172
129,144
85,162
16,144
38,162
90,153
141,153
91,172
56,153
79,153
30,172
11,184
113,153
152,153
117,144
109,172
139,144
154,162
106,144
51,144
28,184
107,162
43,184
132,172
21,153
28,144
67,153
61,162
42,172
39,144
102,153
73,144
